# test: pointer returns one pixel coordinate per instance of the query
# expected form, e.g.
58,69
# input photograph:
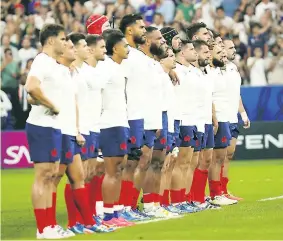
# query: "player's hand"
215,127
247,124
158,133
80,139
52,111
246,120
174,77
55,110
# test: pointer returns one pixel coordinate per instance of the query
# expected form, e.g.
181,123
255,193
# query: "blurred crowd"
256,26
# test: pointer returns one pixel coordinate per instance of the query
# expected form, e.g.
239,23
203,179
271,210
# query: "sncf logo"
15,155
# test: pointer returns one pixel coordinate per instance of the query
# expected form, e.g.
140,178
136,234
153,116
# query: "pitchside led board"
264,140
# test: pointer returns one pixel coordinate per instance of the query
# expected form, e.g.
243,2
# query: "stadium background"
262,94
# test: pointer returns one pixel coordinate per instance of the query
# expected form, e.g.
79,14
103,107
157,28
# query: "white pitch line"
270,199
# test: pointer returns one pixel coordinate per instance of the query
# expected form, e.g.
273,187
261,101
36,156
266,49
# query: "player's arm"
32,101
243,114
214,119
32,86
79,138
174,77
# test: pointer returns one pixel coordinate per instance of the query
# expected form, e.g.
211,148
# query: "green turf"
249,219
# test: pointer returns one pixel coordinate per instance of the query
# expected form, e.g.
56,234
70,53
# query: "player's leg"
45,148
114,152
222,139
133,173
230,153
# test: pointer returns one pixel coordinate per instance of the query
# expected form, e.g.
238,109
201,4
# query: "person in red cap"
96,24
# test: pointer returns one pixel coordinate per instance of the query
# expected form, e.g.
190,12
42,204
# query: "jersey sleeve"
38,68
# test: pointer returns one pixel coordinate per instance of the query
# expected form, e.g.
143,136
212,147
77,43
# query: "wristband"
244,116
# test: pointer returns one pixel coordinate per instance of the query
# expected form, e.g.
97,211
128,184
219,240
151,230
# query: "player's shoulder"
44,59
231,66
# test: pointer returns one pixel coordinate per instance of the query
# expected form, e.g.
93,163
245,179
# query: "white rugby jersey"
169,100
189,94
208,88
220,95
233,78
153,100
67,115
96,78
136,69
82,97
49,73
114,106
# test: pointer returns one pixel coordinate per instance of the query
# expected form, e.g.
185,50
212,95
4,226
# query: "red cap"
36,4
94,24
19,5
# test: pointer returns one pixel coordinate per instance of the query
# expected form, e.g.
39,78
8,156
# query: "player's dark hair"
93,39
49,30
129,20
76,37
220,8
193,29
214,33
150,29
199,43
184,42
107,32
112,40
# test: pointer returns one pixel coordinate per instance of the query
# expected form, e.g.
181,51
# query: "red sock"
92,190
175,196
98,193
224,182
40,217
126,189
183,195
165,198
136,194
221,175
54,201
49,217
198,185
215,188
82,202
71,206
148,197
156,197
189,197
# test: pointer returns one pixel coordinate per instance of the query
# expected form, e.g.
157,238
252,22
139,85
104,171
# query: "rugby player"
222,138
235,107
44,85
114,128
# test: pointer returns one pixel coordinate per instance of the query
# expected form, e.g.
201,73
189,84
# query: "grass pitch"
250,219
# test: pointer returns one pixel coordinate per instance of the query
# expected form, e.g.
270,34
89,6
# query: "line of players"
156,106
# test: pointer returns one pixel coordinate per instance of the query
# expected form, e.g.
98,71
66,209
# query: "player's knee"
230,155
155,163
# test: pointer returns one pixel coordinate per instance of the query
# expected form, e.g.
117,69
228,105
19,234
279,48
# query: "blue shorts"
177,139
223,136
136,133
199,142
83,150
93,144
161,142
234,130
68,149
208,138
114,141
45,143
149,138
170,142
188,135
